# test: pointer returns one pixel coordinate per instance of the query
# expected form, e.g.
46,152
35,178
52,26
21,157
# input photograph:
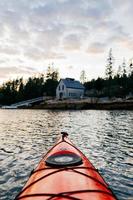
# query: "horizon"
75,35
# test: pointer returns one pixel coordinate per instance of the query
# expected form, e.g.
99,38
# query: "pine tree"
49,71
119,71
124,71
109,66
131,67
83,77
52,73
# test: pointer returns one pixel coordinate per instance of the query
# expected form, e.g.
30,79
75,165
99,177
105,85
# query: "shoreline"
85,105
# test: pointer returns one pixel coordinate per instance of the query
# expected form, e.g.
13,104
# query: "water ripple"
104,136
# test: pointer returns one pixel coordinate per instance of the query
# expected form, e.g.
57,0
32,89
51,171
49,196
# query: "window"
59,87
62,87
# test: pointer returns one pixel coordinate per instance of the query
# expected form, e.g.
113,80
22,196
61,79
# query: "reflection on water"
104,136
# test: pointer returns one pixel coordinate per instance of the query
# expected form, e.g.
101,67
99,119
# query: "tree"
124,72
51,83
109,66
20,95
34,87
8,90
109,72
99,82
55,75
131,67
50,87
49,71
52,73
119,72
83,76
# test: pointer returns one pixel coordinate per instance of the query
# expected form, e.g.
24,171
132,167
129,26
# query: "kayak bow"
65,173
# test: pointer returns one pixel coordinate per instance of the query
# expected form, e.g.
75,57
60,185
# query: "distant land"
116,89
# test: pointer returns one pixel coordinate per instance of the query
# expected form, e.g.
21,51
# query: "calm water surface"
106,138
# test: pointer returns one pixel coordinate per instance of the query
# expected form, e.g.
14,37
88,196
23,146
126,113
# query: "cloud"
44,23
34,55
49,24
96,48
8,50
36,31
72,42
6,72
121,37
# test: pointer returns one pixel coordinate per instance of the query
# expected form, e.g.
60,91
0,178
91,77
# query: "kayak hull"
74,178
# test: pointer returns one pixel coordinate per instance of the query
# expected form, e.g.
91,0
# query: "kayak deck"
65,173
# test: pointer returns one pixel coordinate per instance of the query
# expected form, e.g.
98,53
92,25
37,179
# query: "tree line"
115,84
18,90
119,84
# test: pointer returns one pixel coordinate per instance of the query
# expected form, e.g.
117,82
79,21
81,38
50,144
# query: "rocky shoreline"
85,104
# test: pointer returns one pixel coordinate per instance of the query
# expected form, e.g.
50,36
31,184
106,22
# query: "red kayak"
65,173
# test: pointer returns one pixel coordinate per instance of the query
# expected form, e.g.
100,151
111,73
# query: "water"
104,136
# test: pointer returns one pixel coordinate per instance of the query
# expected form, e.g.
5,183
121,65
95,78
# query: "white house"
69,88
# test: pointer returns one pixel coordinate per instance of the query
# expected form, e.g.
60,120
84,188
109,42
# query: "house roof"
71,83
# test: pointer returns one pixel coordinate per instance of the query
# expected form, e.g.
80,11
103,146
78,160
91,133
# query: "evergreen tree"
52,73
119,72
109,66
55,75
131,67
49,72
99,82
51,83
83,76
20,96
124,71
50,87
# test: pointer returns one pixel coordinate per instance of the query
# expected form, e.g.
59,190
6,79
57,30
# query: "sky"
75,35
